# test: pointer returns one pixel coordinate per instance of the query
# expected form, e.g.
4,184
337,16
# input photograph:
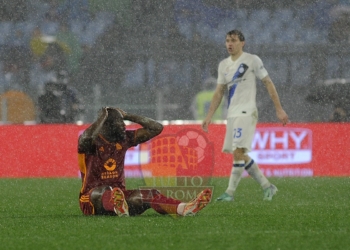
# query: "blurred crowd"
56,51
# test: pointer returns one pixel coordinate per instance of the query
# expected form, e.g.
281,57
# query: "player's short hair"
238,33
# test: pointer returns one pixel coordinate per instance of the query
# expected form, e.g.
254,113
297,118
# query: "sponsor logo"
282,146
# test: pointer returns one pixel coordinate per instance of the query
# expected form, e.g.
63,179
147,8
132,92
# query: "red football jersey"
103,164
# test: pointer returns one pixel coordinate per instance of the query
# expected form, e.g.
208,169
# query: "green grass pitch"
306,213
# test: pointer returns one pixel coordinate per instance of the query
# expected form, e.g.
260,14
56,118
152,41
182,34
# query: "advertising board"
310,149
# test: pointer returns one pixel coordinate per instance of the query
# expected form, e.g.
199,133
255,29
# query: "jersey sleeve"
259,69
131,138
221,74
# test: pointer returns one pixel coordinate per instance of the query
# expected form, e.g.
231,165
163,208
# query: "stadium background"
152,57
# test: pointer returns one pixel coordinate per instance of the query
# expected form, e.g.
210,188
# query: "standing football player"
238,74
101,151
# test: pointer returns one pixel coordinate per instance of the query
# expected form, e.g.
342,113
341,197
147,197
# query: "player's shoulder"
86,145
255,57
250,56
251,59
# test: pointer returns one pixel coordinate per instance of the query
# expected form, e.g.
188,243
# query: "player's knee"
140,200
96,199
135,198
238,154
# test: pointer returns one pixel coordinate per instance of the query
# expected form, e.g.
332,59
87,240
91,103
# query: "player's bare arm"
281,114
150,128
90,134
215,102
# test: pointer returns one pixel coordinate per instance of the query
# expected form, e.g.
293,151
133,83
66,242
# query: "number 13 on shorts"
237,133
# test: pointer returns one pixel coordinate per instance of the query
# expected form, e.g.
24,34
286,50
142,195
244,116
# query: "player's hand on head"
103,111
122,112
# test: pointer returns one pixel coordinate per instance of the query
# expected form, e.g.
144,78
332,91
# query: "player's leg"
159,202
109,201
243,143
239,163
141,200
238,130
194,206
227,148
138,201
255,172
235,177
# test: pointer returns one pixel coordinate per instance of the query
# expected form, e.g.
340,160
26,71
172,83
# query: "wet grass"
307,213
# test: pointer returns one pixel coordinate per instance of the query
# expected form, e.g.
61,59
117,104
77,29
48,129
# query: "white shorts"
240,132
